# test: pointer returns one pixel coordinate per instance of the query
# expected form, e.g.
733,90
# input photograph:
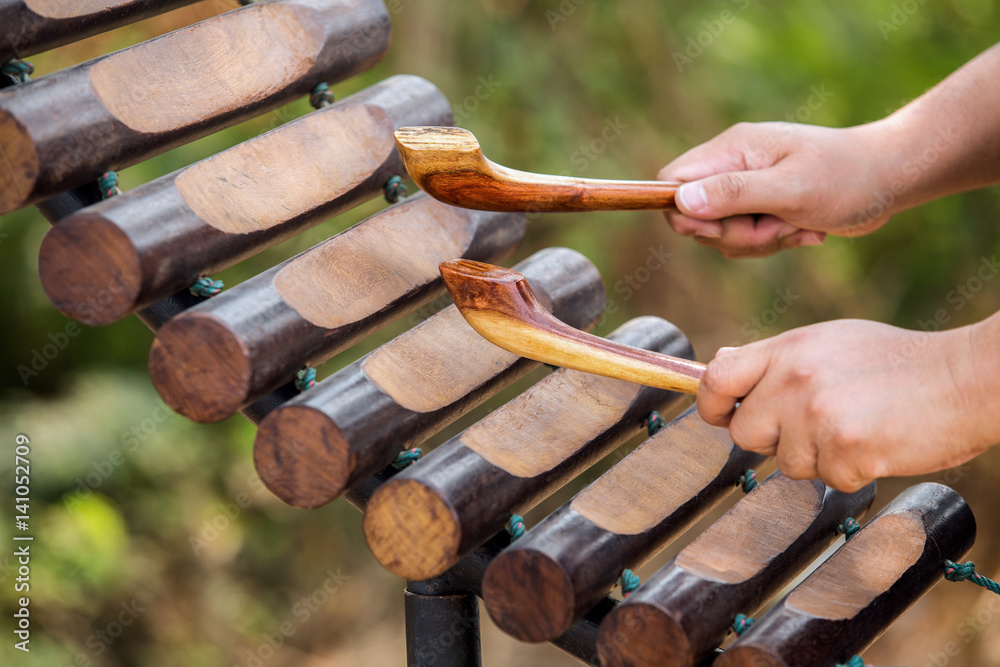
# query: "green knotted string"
321,96
108,185
849,528
748,480
967,572
741,624
515,526
654,423
629,581
305,378
19,70
394,189
206,287
407,458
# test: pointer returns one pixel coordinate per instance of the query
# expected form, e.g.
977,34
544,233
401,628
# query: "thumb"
729,378
734,193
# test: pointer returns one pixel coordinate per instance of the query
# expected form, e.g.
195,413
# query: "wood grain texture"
137,90
118,110
399,249
499,304
160,237
353,424
256,185
656,479
393,366
34,26
536,589
862,588
588,403
280,327
683,612
483,495
448,164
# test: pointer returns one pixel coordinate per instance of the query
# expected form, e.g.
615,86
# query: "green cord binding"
407,458
848,528
394,189
108,185
629,581
206,287
967,572
855,661
305,378
741,624
654,423
748,481
19,70
321,96
515,526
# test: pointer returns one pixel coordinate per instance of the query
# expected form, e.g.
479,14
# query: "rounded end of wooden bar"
19,165
528,595
411,530
302,457
90,270
200,368
748,656
637,634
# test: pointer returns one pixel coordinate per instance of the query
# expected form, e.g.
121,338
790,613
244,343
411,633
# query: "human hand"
850,401
758,188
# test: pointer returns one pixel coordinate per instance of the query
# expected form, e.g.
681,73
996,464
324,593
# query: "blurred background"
124,493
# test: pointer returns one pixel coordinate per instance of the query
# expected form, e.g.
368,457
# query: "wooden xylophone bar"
438,521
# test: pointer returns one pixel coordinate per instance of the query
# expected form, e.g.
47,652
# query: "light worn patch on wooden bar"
550,422
862,569
269,180
657,478
755,530
356,274
209,69
67,9
424,372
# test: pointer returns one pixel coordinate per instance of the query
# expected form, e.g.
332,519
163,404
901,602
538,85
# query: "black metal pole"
442,624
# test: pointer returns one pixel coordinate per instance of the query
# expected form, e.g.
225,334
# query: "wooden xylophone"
440,521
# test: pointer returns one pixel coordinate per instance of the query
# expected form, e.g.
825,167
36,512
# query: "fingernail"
709,233
692,196
812,239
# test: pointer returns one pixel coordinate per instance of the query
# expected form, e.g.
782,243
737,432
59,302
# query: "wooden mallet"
499,304
448,164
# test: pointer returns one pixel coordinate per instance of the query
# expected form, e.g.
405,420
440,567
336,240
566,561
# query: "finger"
840,472
730,377
754,426
797,454
737,193
686,226
746,236
802,238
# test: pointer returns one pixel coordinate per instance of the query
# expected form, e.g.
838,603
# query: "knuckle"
732,187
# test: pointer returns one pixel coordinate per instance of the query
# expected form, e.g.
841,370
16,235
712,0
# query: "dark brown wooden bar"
683,612
425,519
157,239
236,347
563,566
346,428
33,26
867,584
69,127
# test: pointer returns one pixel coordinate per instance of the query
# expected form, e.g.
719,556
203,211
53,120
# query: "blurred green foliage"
127,499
